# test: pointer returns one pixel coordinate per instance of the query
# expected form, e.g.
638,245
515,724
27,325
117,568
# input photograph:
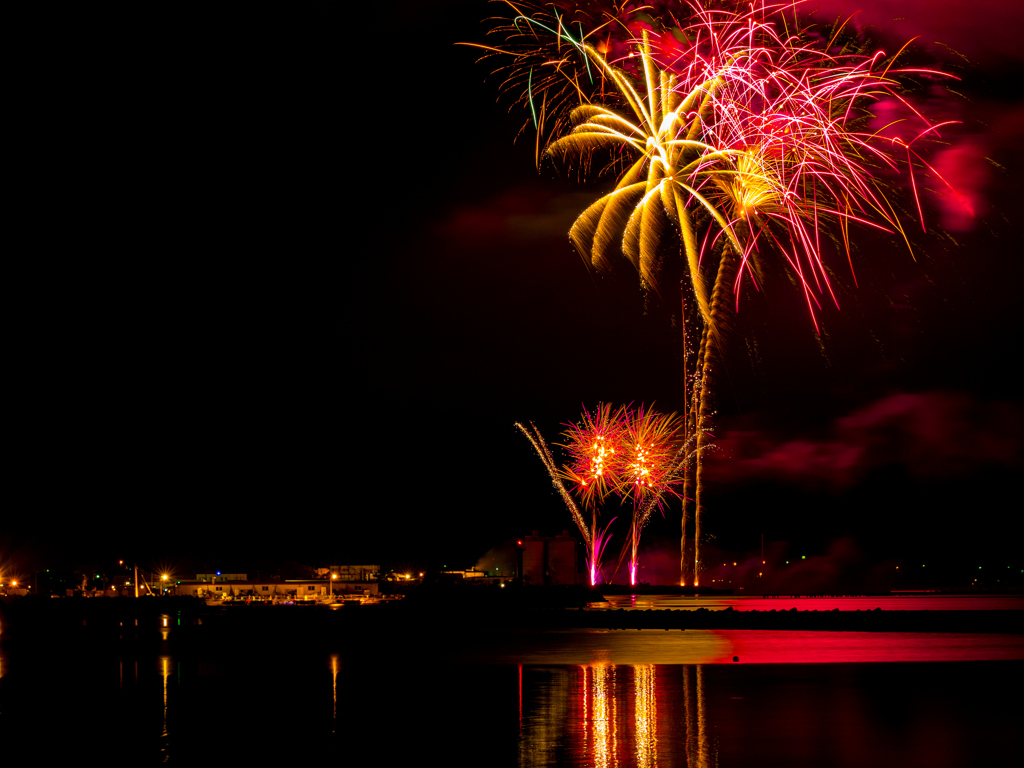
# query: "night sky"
287,279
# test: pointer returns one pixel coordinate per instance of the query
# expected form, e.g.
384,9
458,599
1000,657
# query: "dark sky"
286,280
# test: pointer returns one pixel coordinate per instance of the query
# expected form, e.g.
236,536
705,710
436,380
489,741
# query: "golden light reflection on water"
618,715
335,661
690,708
544,714
703,752
600,736
646,716
589,646
165,673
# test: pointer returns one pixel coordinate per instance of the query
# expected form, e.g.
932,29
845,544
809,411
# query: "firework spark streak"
541,447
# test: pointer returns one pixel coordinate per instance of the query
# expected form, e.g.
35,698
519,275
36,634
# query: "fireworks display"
738,126
635,455
736,136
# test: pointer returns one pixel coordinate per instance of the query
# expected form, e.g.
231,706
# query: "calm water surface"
714,646
573,698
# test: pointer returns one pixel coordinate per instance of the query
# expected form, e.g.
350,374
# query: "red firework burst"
595,446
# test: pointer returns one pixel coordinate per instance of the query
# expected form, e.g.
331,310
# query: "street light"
164,579
331,583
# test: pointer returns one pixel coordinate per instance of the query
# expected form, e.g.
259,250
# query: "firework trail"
541,447
601,537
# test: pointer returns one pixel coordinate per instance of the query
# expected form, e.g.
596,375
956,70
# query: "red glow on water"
749,646
520,668
786,602
794,647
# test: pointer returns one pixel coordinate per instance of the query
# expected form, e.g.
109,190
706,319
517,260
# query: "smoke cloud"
984,31
933,434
